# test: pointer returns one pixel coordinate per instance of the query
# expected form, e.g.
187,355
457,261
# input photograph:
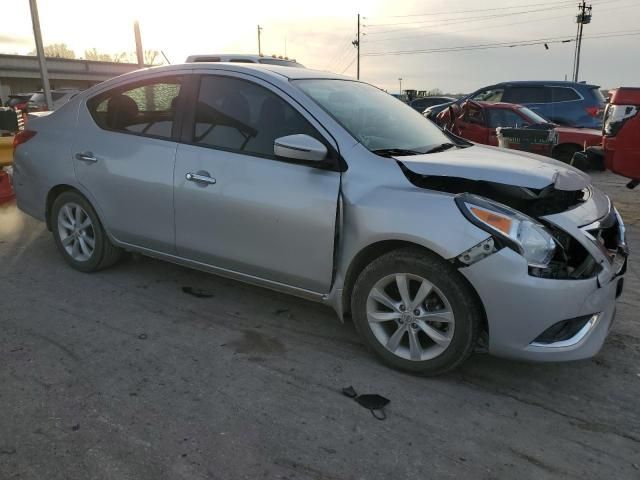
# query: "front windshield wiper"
441,148
391,152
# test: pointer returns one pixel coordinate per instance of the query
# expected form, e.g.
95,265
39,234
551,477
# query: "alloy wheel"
410,316
76,232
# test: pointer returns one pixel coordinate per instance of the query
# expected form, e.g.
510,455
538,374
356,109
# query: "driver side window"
239,115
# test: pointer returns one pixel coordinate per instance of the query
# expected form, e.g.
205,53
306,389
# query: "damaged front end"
551,267
525,219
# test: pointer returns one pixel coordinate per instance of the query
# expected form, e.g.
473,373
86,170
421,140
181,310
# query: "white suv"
241,58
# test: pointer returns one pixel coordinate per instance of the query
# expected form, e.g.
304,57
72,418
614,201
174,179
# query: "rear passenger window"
562,94
525,95
144,110
241,116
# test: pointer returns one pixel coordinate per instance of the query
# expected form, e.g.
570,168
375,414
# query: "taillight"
594,112
22,137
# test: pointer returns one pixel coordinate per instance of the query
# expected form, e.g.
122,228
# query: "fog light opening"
567,333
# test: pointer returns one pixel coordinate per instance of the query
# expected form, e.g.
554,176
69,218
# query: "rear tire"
79,235
436,331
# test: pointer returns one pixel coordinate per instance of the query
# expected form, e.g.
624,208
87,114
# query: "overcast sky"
318,34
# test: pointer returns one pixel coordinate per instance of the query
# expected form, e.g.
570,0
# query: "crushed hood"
498,165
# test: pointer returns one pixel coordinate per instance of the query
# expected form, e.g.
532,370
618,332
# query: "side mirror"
300,147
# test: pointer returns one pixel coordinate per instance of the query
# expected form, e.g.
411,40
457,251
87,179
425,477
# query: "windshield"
373,117
533,116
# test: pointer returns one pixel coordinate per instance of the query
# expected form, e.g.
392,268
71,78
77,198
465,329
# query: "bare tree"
434,92
57,50
150,57
93,54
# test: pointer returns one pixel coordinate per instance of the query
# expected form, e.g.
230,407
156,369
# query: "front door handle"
86,157
198,178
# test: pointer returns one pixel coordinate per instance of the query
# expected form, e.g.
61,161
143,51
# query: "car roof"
553,83
256,69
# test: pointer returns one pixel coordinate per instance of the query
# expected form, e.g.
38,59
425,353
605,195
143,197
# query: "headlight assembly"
516,230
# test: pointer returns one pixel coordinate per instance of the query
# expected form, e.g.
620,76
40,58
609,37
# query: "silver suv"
329,189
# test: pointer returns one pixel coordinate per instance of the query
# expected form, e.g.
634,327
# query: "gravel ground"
121,375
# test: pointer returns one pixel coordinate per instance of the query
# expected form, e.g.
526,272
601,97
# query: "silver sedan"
332,190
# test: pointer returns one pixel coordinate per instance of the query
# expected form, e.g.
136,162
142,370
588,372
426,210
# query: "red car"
621,132
6,192
477,121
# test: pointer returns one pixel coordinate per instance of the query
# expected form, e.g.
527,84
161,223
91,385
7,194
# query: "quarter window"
562,94
241,116
144,110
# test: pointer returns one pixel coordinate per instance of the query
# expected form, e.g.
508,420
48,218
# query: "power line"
338,52
519,43
547,4
344,56
346,47
430,14
466,29
452,21
484,27
347,67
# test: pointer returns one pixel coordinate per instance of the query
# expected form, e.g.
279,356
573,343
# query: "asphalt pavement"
123,375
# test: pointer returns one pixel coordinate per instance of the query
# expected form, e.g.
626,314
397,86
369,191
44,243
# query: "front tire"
79,235
416,312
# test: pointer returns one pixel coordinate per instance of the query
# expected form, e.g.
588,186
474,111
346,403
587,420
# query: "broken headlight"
516,230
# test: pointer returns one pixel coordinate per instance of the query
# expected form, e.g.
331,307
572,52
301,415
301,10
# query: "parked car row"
35,102
328,188
479,121
573,104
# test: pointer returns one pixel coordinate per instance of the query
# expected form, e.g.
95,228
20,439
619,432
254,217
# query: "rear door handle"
198,178
86,157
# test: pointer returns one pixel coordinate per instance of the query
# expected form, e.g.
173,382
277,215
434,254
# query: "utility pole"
44,75
139,51
259,48
356,43
400,80
583,18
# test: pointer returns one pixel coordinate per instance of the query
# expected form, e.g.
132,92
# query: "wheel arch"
375,250
61,188
54,193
